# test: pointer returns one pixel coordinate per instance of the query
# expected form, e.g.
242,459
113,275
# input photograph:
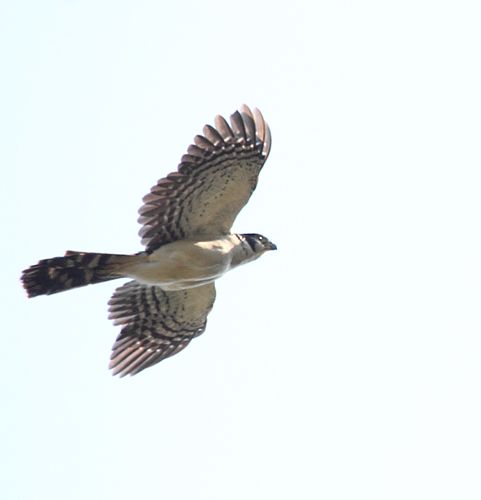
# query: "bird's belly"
178,277
176,267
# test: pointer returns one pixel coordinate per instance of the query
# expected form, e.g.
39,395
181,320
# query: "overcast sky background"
347,365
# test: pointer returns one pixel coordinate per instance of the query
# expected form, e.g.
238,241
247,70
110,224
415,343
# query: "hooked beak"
272,246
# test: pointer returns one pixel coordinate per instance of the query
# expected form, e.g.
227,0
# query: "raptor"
186,230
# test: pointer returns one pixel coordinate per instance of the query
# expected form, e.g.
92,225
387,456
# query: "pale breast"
183,264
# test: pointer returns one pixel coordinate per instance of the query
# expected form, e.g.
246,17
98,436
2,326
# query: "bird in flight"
186,230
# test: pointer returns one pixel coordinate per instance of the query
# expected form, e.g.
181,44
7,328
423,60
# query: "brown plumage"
73,270
187,218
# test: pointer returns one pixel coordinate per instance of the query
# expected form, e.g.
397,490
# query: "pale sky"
346,365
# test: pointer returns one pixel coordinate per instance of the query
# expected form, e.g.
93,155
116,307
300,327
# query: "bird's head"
258,243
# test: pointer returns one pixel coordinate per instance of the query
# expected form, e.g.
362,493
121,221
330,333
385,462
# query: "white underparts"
188,263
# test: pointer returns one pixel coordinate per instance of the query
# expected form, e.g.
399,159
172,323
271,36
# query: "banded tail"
74,270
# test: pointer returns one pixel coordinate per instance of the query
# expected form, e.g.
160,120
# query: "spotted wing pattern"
156,324
214,180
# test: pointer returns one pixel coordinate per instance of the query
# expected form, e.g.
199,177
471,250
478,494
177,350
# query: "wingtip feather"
224,128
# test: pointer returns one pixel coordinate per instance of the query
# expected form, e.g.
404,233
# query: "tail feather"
74,270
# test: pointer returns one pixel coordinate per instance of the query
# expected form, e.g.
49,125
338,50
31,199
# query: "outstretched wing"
215,179
156,324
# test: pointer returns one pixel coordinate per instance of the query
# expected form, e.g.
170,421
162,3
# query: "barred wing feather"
214,180
156,324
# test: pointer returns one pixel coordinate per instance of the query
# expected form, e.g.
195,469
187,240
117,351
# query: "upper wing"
215,179
156,324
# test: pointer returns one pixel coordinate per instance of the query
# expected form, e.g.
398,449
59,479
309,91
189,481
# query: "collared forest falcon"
186,229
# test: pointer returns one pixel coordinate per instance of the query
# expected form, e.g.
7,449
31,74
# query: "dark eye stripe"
252,242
